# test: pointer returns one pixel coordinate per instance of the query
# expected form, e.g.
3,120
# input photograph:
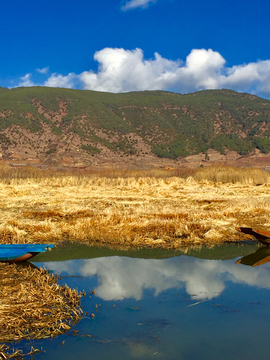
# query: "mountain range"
80,128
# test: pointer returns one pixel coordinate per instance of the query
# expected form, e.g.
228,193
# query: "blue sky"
127,45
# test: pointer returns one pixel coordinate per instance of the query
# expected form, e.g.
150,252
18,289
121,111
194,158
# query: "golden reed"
157,208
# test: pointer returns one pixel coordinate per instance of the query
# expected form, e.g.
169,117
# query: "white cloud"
126,70
123,70
243,77
132,4
58,80
25,81
43,70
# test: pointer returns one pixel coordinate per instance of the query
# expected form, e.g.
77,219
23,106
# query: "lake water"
163,304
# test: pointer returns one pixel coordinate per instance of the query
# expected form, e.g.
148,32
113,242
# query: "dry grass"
8,174
228,174
33,305
126,212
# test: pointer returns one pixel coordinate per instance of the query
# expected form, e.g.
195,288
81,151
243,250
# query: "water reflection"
174,307
260,257
122,277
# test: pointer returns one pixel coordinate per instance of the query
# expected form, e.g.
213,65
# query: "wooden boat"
21,252
261,235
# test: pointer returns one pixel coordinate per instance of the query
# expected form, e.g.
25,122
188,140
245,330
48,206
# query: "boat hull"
13,253
261,235
24,257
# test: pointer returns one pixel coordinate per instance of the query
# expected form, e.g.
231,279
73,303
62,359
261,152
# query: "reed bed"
229,174
8,173
132,212
33,305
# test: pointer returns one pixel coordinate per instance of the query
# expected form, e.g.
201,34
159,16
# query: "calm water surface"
164,305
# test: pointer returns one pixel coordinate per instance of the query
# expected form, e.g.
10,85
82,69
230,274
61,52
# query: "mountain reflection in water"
123,277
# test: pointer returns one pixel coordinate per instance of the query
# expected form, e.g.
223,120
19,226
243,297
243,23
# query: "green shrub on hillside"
91,149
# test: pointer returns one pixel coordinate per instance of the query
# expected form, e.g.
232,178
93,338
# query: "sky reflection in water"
174,308
122,277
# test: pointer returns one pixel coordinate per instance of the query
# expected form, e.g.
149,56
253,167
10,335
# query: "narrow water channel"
164,305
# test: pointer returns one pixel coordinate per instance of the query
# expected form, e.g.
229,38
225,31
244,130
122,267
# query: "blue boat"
21,252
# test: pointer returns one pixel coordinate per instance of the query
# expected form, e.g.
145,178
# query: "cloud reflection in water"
123,277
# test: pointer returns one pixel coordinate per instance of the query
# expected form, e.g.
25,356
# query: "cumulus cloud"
58,80
123,70
127,70
25,81
132,4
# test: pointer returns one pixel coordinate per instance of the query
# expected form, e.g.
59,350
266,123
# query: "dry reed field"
158,209
33,306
